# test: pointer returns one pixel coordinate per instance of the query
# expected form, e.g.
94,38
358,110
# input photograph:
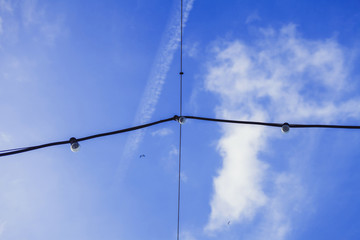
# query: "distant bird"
142,155
228,222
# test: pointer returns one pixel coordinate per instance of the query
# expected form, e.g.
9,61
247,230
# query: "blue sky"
76,68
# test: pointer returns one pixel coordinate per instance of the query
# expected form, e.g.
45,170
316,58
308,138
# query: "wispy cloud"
174,151
2,227
253,17
287,200
162,132
281,77
186,235
51,28
150,98
1,26
35,16
191,49
4,138
5,6
32,16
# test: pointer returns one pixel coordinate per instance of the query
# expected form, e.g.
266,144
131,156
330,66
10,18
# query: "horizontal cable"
273,124
126,129
177,118
235,121
323,126
10,150
27,149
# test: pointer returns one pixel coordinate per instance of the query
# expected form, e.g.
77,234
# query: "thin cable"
176,118
268,124
179,181
27,149
323,126
10,150
126,129
181,57
235,121
180,129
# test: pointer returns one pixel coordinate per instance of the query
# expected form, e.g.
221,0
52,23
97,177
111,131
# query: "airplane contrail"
169,45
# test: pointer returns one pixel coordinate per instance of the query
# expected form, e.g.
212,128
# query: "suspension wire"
27,149
180,125
268,124
11,150
179,181
176,118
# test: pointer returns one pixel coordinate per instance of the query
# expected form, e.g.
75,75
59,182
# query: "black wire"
126,129
274,124
323,126
27,149
180,129
235,121
10,150
179,181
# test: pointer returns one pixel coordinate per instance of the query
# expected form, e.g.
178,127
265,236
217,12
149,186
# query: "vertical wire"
181,53
180,129
179,180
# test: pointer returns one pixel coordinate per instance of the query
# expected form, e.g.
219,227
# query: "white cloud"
5,138
5,6
34,17
170,161
5,9
162,132
2,227
29,13
17,68
253,17
51,31
1,26
186,235
191,49
174,151
238,187
281,77
287,200
183,176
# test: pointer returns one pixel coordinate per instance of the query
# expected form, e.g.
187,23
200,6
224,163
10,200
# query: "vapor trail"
169,45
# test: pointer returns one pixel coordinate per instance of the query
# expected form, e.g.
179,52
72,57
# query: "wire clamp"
181,120
285,128
74,144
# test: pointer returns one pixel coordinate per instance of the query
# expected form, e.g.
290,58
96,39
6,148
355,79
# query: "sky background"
77,68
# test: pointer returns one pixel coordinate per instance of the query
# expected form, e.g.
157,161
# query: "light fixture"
285,128
74,144
181,120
